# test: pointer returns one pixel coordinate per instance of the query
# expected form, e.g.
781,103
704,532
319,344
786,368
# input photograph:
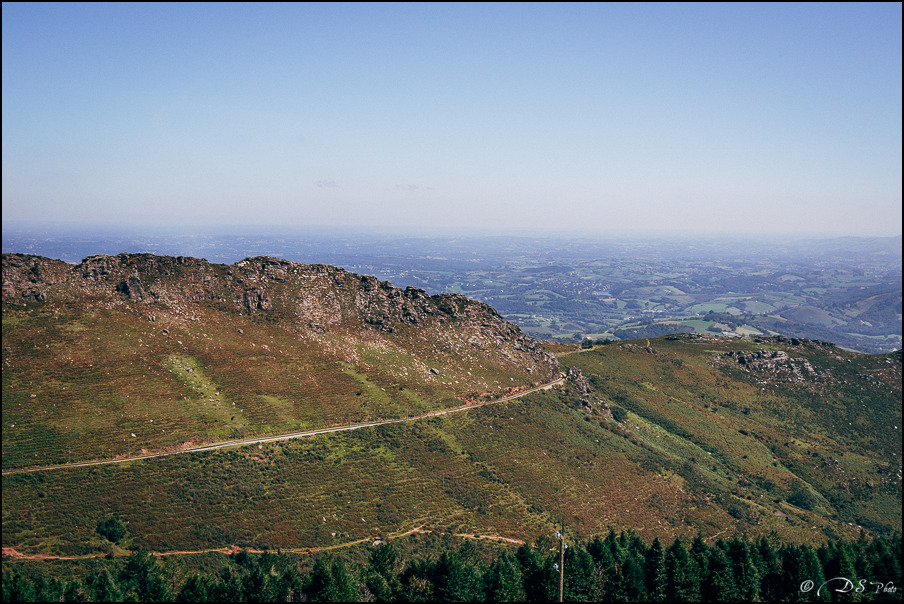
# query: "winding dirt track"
12,553
266,439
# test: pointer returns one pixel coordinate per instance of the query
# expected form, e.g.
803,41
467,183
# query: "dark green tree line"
618,567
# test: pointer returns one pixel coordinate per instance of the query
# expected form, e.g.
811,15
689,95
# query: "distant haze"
734,118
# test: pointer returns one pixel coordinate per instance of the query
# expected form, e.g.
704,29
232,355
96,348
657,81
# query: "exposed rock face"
580,381
131,288
257,299
25,278
590,401
314,299
774,365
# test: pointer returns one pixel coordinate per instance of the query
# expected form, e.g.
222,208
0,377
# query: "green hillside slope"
132,353
770,427
695,445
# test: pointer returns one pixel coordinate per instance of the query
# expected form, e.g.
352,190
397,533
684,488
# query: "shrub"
112,529
619,414
803,498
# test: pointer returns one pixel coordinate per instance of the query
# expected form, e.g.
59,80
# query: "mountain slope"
668,439
126,353
764,422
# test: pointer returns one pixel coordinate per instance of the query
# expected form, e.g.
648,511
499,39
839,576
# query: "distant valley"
844,290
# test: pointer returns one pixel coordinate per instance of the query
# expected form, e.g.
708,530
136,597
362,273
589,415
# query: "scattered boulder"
257,299
131,287
34,295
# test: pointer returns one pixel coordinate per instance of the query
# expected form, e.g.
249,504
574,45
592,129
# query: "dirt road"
267,439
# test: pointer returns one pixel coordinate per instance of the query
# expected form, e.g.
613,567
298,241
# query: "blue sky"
752,118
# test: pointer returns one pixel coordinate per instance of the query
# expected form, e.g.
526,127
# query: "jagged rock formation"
775,365
311,299
778,366
590,400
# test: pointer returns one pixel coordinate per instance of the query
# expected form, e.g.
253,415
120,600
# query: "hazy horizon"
438,231
682,119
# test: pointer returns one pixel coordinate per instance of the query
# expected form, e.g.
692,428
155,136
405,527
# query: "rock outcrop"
312,299
775,365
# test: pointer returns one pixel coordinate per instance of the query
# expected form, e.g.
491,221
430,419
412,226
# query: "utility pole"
562,568
561,564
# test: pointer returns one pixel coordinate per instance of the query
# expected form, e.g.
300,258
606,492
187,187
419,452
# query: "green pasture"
701,309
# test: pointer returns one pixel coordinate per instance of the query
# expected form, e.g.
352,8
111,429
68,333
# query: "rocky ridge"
310,299
776,365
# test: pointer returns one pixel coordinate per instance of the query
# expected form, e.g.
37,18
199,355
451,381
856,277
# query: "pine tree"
605,564
581,584
228,587
700,554
683,574
197,588
886,565
838,567
76,592
801,574
657,580
48,590
415,583
102,587
142,578
503,581
285,581
770,571
747,578
330,581
381,578
18,588
618,544
629,583
631,542
256,585
720,586
345,587
456,581
536,575
600,552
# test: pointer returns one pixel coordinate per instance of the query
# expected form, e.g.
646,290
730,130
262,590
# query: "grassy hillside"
770,426
99,363
694,444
